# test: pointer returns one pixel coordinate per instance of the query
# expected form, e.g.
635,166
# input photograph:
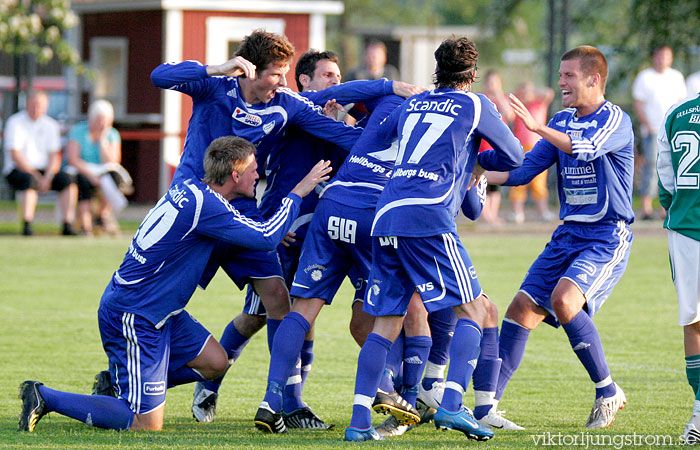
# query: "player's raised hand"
521,111
234,67
332,109
406,90
318,174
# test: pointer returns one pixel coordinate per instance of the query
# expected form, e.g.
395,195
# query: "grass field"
50,289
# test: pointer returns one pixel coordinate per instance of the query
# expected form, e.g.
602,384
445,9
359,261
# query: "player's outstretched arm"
234,67
560,140
318,174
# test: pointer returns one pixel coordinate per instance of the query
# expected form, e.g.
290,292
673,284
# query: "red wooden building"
124,40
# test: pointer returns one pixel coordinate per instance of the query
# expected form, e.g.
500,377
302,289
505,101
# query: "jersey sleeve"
311,120
220,220
507,153
612,135
664,167
352,91
188,77
474,199
540,158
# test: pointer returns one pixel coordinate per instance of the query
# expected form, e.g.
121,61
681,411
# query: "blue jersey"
595,183
168,254
219,110
290,160
367,168
439,136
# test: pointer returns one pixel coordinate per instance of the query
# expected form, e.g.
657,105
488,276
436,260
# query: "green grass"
50,289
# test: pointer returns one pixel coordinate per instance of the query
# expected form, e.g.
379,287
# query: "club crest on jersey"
247,118
268,127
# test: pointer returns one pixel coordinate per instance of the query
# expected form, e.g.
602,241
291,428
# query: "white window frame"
119,94
222,30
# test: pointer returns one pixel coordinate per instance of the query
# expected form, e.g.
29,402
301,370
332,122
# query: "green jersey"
678,166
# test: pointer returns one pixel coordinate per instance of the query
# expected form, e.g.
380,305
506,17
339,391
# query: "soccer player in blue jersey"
591,141
246,96
151,341
317,76
415,248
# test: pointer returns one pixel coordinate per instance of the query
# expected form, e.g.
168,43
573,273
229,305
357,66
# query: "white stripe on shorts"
460,270
133,364
596,287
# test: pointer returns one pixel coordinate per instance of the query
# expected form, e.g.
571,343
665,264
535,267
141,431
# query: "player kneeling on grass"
152,343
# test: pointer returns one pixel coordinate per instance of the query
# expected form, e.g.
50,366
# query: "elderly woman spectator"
94,151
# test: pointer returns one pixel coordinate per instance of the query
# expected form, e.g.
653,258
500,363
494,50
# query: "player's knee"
275,298
361,324
147,422
247,324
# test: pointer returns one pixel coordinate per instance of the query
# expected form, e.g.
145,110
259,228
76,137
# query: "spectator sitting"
33,161
375,66
94,153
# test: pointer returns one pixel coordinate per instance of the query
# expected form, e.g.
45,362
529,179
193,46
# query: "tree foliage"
37,28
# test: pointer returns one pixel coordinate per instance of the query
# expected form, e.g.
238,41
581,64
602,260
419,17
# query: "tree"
33,31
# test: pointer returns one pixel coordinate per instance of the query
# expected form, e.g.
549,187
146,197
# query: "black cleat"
103,384
392,403
268,421
33,406
305,418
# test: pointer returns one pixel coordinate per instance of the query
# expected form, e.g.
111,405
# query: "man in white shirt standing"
692,83
655,89
33,161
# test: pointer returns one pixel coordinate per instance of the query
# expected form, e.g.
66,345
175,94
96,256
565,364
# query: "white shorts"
685,269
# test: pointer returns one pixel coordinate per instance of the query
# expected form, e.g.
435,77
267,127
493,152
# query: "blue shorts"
593,257
438,267
140,355
338,244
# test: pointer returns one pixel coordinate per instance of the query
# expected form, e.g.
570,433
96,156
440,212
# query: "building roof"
267,6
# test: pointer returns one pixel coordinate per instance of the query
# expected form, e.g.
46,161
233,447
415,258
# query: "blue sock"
511,348
272,326
463,357
233,342
485,377
394,358
415,355
370,365
585,340
291,398
183,375
307,359
285,354
96,410
442,327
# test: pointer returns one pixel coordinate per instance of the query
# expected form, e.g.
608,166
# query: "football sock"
464,353
272,326
183,375
307,359
692,372
389,381
485,376
415,355
370,365
433,373
291,398
511,348
97,410
442,327
284,356
233,342
585,341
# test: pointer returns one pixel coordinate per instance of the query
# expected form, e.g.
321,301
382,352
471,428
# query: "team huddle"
375,202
